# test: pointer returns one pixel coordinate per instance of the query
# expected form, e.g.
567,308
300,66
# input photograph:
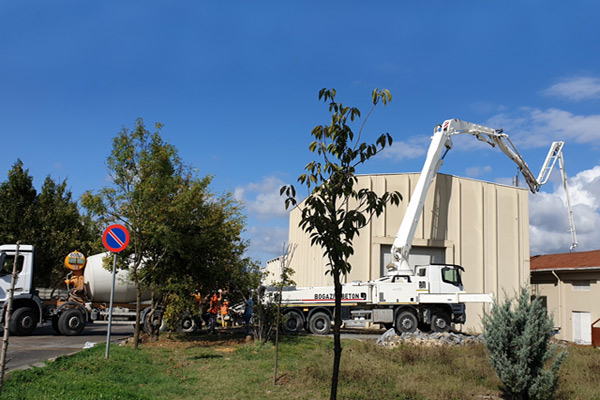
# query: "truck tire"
293,322
319,323
440,322
23,321
154,322
406,321
187,323
71,322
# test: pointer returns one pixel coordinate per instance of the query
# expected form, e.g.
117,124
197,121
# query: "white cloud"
267,241
262,199
534,127
414,147
577,88
549,221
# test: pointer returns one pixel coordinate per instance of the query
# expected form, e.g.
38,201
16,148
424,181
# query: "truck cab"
442,278
27,307
24,280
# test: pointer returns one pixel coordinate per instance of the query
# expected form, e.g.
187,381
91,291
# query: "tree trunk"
337,322
7,317
277,333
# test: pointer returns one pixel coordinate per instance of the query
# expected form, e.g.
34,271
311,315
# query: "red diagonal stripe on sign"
116,238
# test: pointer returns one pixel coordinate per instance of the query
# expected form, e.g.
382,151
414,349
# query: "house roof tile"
583,259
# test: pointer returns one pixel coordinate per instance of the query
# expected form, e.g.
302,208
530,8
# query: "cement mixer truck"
88,298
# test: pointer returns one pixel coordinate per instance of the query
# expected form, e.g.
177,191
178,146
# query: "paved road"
45,343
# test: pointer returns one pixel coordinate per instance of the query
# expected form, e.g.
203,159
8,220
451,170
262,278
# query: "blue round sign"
115,238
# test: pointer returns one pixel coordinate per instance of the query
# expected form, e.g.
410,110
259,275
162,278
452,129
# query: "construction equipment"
428,297
441,143
88,285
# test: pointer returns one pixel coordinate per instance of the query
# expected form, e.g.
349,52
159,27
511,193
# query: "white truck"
428,297
88,298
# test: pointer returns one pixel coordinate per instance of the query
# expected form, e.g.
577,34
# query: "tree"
59,230
50,221
285,279
208,252
17,202
181,235
517,336
327,213
146,175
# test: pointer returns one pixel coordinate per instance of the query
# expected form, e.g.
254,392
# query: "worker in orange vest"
213,310
224,312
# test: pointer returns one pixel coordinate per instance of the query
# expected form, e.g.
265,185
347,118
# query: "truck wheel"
154,322
440,322
22,321
187,323
293,322
319,323
406,322
71,322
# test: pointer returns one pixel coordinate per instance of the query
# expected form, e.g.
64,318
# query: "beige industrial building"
482,226
568,284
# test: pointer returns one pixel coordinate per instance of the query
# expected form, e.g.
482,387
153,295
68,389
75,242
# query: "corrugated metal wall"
484,227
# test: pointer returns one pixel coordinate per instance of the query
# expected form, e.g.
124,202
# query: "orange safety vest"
214,305
225,307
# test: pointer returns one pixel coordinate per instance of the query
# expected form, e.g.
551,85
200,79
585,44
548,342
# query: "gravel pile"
392,339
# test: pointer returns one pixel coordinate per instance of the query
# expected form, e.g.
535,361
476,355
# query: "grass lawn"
223,366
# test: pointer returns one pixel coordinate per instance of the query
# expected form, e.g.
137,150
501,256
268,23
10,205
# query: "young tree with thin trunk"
285,279
335,210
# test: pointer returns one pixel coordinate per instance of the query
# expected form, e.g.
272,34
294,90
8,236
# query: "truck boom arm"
440,145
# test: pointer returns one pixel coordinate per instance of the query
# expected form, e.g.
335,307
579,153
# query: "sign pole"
112,296
115,238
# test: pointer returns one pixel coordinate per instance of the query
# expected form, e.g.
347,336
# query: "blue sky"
236,83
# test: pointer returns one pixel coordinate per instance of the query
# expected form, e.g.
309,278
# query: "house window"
581,286
543,300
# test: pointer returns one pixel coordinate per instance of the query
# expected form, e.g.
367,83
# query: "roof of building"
572,261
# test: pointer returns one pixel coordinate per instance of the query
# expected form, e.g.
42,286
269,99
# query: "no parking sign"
115,238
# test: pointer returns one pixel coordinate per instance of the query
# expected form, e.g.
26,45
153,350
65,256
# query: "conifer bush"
517,337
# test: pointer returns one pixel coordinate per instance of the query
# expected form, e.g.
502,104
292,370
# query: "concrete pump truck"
429,297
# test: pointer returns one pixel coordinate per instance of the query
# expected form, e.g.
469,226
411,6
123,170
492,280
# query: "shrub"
517,336
264,318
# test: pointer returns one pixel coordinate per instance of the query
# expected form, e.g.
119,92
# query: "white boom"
555,153
441,143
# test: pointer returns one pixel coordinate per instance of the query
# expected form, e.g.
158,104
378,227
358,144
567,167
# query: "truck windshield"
451,275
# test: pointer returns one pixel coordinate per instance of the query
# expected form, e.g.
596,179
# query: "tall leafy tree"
17,202
207,249
182,236
60,229
50,221
336,210
146,173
